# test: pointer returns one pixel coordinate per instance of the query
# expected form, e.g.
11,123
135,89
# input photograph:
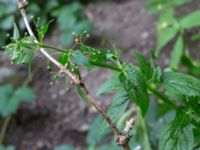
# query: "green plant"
170,27
6,18
46,9
159,6
174,91
71,19
10,99
10,102
7,148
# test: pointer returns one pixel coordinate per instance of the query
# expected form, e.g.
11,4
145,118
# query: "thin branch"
4,129
49,57
129,125
98,64
98,108
76,80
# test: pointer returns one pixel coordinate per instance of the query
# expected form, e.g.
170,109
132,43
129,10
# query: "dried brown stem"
123,138
99,109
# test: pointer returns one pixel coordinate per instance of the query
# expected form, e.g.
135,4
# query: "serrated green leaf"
135,85
175,95
197,138
79,58
184,141
63,59
181,83
191,20
117,107
112,84
177,136
86,49
119,102
97,55
193,108
144,65
21,51
177,53
16,34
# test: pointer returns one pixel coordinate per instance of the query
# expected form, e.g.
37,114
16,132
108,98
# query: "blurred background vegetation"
68,14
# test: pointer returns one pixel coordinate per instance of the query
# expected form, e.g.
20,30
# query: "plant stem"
126,147
92,62
50,47
144,139
98,108
4,129
163,98
77,81
105,66
73,77
40,45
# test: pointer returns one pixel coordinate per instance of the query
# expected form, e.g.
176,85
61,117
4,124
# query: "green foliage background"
68,14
